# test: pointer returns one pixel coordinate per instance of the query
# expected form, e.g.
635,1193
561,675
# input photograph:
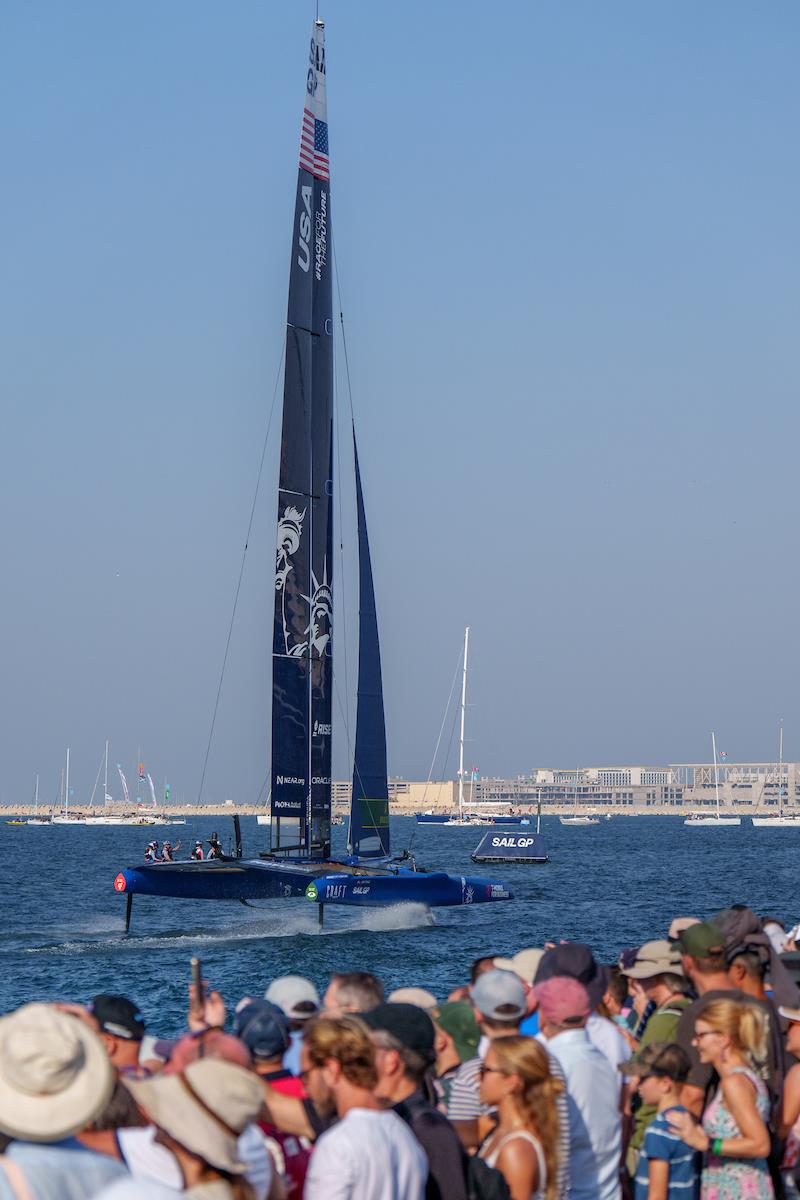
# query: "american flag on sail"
314,146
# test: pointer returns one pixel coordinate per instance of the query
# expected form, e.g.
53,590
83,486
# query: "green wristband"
716,1147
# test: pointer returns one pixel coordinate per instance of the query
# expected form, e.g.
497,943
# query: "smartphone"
197,980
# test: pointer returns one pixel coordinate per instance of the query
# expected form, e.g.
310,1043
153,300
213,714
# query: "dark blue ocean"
612,885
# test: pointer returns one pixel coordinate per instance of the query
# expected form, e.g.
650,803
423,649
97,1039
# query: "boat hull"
776,822
470,819
525,849
325,882
695,822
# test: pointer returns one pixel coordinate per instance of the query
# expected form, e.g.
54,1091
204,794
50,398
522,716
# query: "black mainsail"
302,677
369,807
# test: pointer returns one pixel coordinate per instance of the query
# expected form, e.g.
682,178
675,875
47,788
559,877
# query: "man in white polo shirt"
370,1153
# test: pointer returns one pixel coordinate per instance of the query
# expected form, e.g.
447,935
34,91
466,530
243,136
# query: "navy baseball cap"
118,1016
263,1028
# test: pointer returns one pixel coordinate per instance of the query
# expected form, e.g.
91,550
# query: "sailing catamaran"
299,861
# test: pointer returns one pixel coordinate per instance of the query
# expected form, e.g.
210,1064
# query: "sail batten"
369,808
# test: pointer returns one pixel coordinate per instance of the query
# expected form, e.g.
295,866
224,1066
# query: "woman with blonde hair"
732,1038
516,1079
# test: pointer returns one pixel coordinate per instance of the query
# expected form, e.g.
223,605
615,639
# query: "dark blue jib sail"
301,652
369,809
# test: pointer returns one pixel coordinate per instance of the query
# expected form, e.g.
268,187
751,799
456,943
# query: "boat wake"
103,937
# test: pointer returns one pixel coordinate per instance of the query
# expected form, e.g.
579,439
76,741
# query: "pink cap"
562,1000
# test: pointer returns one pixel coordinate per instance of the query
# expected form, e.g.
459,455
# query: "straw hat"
205,1108
55,1074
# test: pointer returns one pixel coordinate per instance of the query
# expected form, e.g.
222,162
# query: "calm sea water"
612,885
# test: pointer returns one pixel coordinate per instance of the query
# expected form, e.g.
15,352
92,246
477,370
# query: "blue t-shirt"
530,1026
684,1162
62,1170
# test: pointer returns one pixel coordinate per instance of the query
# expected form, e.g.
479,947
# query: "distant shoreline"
405,810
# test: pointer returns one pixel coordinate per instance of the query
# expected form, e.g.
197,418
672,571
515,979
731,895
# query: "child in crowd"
667,1169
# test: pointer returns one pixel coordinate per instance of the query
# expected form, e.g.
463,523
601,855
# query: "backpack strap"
16,1179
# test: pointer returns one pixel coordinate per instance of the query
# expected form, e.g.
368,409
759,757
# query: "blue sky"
567,247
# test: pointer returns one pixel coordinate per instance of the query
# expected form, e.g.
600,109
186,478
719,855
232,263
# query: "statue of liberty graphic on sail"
319,612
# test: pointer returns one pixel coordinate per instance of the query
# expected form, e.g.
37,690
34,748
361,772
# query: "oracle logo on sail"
304,240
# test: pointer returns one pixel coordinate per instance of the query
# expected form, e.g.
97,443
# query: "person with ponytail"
733,1135
517,1080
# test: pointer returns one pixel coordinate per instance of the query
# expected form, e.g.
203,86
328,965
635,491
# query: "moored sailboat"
465,815
299,861
698,819
782,819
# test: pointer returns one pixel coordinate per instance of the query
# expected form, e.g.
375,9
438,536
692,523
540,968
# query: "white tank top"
491,1159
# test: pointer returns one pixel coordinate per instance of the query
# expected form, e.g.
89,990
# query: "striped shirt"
684,1163
465,1103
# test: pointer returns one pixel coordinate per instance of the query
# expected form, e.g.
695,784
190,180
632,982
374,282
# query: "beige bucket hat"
418,996
55,1074
205,1108
525,963
655,958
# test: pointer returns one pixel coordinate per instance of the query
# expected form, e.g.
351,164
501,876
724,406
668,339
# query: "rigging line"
339,469
449,744
263,788
344,339
342,583
241,570
97,780
441,727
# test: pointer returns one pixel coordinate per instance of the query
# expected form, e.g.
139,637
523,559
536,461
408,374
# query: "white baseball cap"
289,992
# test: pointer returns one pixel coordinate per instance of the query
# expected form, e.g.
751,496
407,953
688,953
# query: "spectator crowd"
670,1074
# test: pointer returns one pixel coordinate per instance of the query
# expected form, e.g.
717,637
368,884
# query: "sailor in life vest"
150,852
215,848
198,850
166,852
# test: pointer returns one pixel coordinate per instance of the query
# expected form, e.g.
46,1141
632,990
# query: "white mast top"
463,710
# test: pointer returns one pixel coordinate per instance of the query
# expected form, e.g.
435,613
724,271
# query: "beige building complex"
745,787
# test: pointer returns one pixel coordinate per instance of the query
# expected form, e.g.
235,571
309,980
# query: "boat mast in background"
463,712
716,770
780,771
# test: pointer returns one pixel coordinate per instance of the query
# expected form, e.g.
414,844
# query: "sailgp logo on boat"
321,235
321,729
316,65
